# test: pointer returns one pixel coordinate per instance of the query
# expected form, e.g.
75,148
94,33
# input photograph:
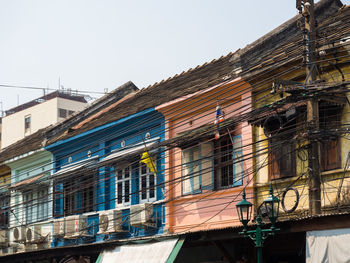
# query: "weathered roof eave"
250,56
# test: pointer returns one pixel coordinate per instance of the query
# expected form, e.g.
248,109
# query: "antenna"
1,109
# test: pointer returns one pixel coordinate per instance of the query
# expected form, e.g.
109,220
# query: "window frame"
60,111
148,174
272,152
233,162
28,206
123,181
78,201
4,212
27,124
327,121
42,204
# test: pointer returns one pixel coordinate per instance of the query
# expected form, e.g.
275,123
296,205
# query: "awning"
258,116
26,182
86,163
153,252
328,246
131,150
196,135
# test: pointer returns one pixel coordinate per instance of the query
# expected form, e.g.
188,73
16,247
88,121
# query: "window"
79,195
197,168
3,179
70,112
28,206
43,205
281,150
4,211
27,124
62,113
147,184
16,214
123,186
228,162
281,157
329,118
35,205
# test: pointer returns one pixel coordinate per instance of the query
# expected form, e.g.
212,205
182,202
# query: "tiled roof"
27,144
284,44
186,83
269,51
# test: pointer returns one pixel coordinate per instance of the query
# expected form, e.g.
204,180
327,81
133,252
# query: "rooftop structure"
29,117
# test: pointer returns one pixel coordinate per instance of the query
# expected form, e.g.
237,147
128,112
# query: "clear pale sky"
93,45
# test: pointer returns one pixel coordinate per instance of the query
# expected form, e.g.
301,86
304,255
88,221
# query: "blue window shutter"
135,186
58,200
237,160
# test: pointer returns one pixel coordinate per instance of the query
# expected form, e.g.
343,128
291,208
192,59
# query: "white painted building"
28,118
31,200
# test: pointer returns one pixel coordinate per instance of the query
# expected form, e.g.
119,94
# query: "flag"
147,159
219,118
219,115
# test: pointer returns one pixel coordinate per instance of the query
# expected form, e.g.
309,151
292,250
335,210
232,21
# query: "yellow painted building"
280,128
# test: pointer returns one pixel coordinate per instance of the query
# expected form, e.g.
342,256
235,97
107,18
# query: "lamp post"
244,210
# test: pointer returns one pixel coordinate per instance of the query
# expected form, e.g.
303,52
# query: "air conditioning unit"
141,215
76,226
3,238
19,234
110,222
33,234
59,227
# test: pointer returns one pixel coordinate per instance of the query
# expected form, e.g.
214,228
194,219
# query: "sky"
97,45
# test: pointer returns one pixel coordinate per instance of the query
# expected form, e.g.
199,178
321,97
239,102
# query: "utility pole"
306,8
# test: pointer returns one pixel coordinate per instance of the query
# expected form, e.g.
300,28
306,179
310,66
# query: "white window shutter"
207,165
186,181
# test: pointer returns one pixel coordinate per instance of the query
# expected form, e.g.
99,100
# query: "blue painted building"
102,190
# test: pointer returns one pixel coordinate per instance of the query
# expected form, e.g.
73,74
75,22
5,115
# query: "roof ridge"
191,69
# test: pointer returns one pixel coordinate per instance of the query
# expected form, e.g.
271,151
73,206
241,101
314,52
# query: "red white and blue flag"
219,118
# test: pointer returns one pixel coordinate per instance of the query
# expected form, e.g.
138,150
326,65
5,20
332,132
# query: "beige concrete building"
27,118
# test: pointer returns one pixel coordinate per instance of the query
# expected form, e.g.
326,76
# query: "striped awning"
150,252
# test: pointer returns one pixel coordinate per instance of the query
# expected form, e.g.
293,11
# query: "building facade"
99,175
30,220
207,167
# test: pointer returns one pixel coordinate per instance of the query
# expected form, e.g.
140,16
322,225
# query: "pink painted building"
206,175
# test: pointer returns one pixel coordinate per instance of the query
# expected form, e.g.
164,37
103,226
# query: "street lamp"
244,210
272,206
